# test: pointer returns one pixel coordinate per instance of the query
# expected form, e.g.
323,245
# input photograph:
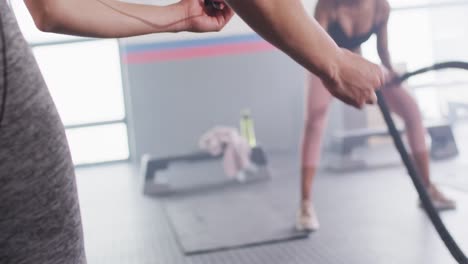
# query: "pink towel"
236,157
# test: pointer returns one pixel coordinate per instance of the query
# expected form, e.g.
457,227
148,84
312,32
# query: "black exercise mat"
227,218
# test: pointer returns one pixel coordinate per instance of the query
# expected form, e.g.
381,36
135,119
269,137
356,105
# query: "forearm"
105,18
286,24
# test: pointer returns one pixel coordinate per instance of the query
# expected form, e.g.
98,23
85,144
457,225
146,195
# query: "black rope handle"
434,216
216,5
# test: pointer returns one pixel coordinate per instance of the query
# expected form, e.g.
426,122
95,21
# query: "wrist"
177,14
331,66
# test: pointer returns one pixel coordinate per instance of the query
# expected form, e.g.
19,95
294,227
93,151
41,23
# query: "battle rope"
434,216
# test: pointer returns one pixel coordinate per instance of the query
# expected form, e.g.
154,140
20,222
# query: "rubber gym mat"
366,217
226,218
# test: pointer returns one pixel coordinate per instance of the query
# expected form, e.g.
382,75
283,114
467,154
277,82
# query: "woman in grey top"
39,212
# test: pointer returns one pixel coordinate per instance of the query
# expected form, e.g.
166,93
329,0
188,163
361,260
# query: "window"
421,33
84,79
98,143
403,4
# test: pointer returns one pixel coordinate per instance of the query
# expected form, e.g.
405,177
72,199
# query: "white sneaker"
440,201
307,218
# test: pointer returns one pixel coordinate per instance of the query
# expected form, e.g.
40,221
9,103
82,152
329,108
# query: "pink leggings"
318,101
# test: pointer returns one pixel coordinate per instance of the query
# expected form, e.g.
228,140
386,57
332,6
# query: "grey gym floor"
367,217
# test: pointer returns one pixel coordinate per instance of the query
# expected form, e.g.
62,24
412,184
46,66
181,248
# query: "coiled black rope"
434,216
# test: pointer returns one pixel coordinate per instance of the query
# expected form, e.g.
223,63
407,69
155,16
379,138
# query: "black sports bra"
342,40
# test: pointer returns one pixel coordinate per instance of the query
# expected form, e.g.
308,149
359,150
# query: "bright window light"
84,79
97,144
410,3
420,37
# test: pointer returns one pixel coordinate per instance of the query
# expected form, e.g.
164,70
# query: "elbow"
45,22
44,25
44,17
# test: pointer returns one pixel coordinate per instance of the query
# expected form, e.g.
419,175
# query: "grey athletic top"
39,212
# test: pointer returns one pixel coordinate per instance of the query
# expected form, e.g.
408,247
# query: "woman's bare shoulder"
324,9
383,11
